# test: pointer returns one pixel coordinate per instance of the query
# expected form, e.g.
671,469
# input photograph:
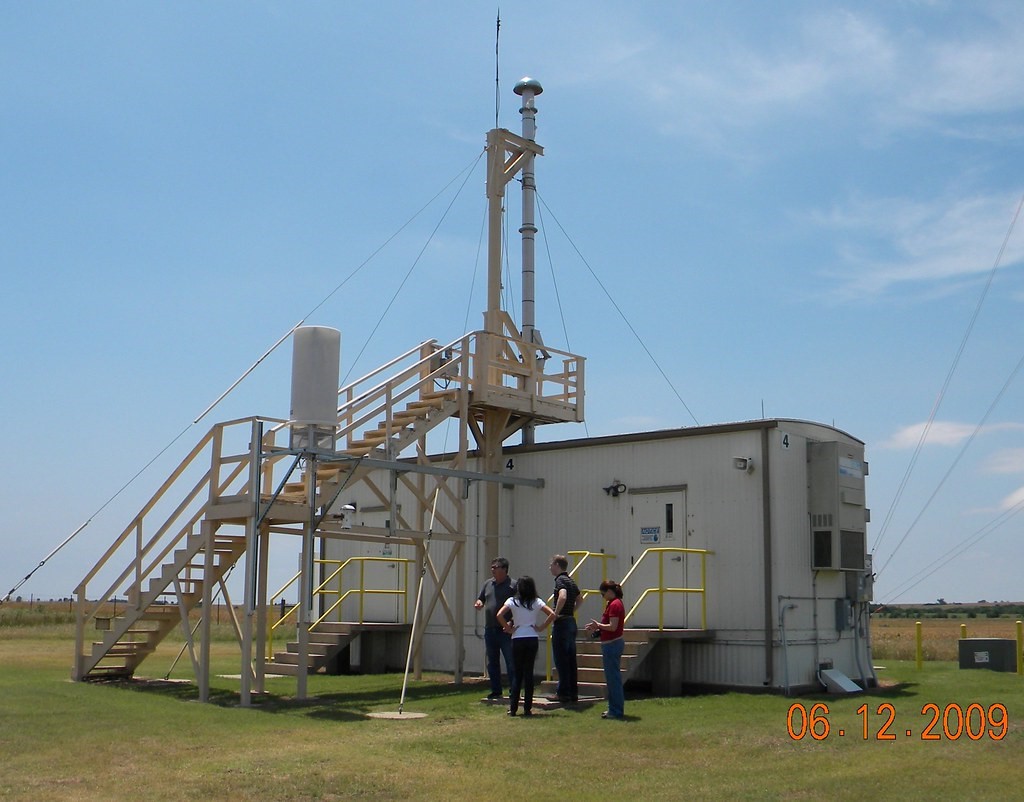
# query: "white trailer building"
752,533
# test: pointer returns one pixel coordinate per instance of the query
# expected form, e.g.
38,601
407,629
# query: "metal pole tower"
528,89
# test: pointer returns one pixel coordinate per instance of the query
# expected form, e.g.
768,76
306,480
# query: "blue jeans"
611,659
563,653
498,644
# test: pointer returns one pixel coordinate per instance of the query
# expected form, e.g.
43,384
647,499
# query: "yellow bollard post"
1020,641
917,637
963,631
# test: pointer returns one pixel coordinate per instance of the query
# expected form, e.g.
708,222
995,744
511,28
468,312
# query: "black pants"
563,652
524,654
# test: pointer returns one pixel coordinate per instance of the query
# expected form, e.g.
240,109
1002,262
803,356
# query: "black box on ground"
997,654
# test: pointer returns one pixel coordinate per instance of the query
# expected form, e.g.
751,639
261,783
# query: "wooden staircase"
326,642
392,435
169,598
418,417
590,670
162,567
640,643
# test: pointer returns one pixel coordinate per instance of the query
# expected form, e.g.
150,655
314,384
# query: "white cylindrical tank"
316,366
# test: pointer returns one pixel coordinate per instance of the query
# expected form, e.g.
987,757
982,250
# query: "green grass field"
61,740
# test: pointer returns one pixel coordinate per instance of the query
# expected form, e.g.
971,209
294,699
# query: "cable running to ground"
466,170
963,450
409,272
951,554
946,383
558,298
625,320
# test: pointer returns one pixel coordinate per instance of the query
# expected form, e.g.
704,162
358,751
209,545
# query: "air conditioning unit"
838,517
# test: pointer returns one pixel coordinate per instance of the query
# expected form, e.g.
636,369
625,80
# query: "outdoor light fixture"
615,488
743,464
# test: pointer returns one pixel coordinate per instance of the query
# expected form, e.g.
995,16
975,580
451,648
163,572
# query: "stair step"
402,417
448,395
122,649
430,403
361,446
334,627
594,660
594,689
108,672
315,648
290,659
288,669
595,675
326,638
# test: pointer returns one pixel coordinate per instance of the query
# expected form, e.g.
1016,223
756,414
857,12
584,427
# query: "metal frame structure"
277,480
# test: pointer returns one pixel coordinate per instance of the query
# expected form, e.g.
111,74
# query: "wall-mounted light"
743,464
615,488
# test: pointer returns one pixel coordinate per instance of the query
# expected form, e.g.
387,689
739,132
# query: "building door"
659,521
380,573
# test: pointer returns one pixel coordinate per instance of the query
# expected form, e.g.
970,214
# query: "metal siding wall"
723,508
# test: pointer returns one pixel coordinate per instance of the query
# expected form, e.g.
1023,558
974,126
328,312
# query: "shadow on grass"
336,705
896,690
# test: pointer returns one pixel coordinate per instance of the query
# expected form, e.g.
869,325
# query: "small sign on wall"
650,535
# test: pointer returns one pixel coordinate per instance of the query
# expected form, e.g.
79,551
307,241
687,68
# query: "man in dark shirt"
563,630
496,591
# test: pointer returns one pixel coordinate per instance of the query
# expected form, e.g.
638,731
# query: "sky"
799,210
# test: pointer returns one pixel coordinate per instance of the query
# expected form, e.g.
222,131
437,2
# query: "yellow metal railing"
583,557
661,590
325,589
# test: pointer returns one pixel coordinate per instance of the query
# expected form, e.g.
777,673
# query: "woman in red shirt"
610,628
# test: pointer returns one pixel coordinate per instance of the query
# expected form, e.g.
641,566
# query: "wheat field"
895,638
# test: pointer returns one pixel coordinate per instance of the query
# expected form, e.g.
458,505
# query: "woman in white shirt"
526,609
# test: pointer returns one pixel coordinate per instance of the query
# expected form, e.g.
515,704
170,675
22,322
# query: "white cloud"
890,71
903,241
1012,500
1010,460
943,433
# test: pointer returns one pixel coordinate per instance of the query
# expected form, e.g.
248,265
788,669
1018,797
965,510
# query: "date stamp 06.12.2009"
932,723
